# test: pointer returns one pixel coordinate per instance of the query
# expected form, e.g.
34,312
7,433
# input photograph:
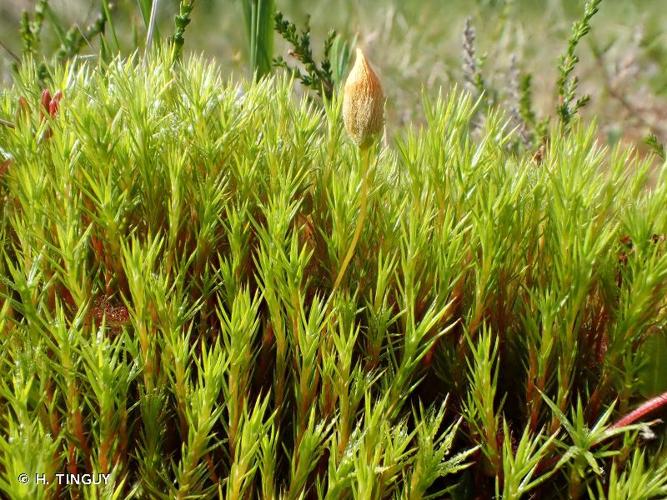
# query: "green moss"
169,248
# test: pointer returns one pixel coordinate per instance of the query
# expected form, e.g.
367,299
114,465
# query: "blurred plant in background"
419,43
258,16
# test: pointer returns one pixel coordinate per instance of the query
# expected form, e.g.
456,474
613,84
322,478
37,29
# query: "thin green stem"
365,160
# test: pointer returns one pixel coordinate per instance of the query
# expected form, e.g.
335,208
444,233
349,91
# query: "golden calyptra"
363,103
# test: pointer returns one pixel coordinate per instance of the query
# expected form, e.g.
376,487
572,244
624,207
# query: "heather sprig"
181,22
472,74
323,77
569,104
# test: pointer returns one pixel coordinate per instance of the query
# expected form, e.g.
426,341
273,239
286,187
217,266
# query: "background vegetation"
418,44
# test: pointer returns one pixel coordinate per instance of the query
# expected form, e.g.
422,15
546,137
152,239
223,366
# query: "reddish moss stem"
650,406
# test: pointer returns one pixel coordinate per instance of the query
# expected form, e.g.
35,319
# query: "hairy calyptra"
363,103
